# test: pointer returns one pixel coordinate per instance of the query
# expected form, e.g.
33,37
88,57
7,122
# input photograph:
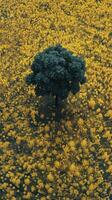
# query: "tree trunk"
57,102
58,109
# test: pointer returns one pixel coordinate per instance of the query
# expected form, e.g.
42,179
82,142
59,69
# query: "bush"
56,71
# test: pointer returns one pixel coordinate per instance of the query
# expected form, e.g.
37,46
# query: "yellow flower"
28,195
4,185
109,169
6,144
66,149
92,103
40,185
92,187
17,182
77,173
47,128
50,190
71,143
84,198
11,192
109,114
34,174
100,116
27,181
11,174
75,192
41,166
47,186
31,143
11,133
108,135
29,168
91,178
100,129
18,140
105,156
86,151
32,188
90,170
6,168
13,198
72,167
85,163
68,123
98,110
57,164
72,148
100,101
58,140
84,143
80,122
43,198
50,177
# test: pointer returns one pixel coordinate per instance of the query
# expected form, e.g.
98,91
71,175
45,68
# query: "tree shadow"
47,111
45,115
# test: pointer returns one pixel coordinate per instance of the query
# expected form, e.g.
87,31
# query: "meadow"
41,159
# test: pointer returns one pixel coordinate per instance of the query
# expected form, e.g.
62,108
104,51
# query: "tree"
56,71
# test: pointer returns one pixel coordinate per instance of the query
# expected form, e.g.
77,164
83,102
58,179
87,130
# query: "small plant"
56,72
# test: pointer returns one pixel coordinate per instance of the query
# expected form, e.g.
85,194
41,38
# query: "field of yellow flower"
41,159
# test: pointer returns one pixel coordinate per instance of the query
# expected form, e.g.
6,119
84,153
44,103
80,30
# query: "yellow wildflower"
84,143
40,185
50,177
105,156
58,140
43,198
100,129
4,185
93,130
13,198
28,195
57,164
50,190
72,167
68,123
92,103
98,110
17,182
109,169
80,122
85,163
71,143
108,135
47,128
32,188
109,114
47,186
91,178
92,187
31,143
90,170
27,181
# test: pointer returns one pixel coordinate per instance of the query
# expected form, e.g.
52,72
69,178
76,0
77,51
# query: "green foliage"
57,71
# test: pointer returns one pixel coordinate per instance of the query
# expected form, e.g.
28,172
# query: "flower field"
41,159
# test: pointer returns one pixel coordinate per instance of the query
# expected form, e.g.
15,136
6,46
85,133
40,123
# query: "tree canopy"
56,71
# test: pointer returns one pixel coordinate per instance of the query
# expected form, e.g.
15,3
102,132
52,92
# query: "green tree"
56,71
